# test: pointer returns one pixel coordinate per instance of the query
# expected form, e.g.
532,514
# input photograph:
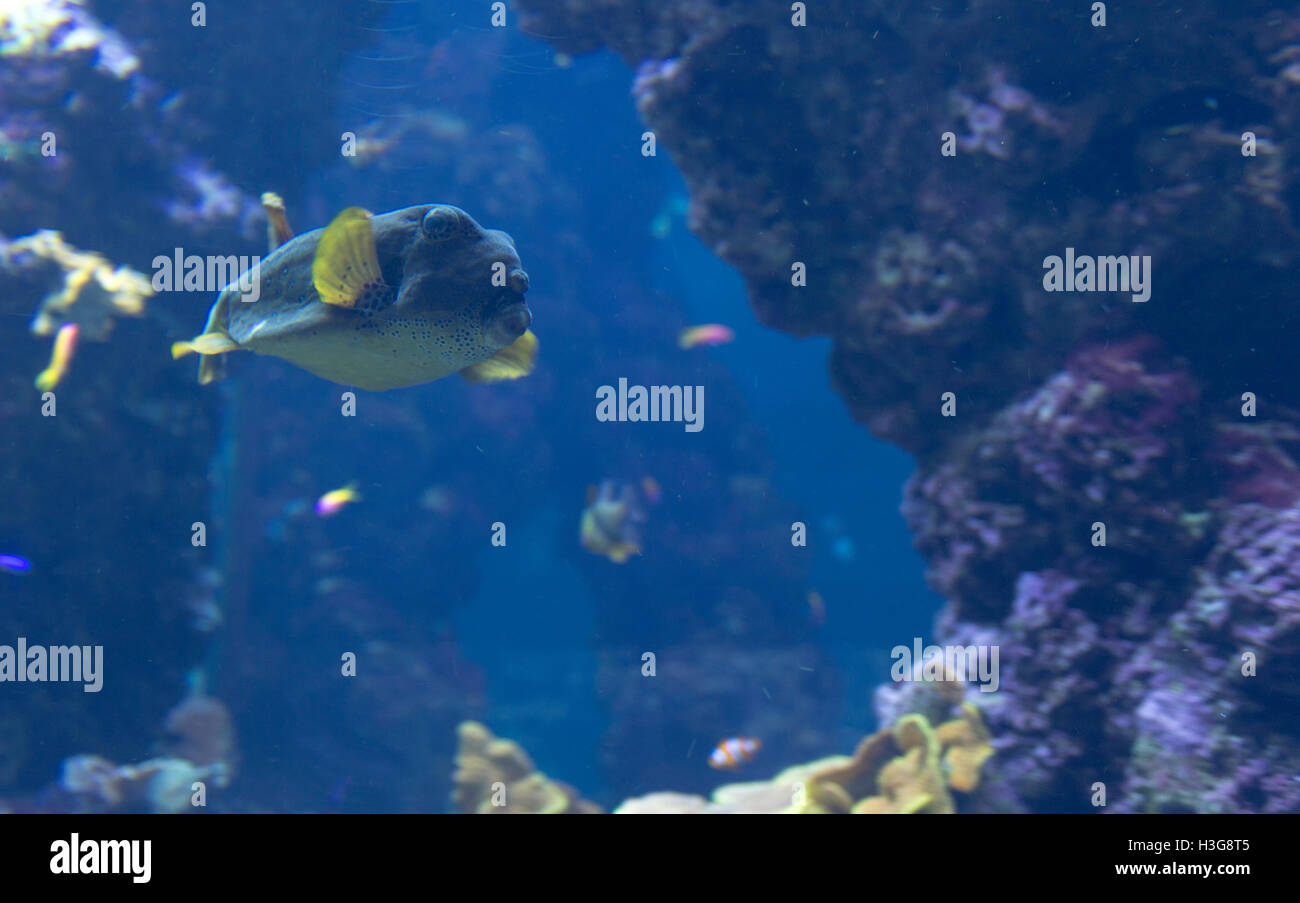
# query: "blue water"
819,455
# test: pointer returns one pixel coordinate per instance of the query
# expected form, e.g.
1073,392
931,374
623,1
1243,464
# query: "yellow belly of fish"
367,360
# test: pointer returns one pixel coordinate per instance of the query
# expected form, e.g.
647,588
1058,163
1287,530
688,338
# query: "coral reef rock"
813,157
496,776
909,768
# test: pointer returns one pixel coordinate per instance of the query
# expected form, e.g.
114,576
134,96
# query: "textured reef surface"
908,767
105,139
1123,663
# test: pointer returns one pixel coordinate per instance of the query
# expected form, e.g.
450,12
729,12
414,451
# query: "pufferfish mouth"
509,321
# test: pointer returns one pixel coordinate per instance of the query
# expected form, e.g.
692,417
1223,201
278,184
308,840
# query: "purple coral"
1096,443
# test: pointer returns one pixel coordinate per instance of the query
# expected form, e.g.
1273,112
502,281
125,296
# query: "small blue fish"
14,564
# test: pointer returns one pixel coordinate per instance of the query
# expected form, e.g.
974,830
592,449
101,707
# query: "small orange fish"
708,334
332,502
65,345
734,752
651,489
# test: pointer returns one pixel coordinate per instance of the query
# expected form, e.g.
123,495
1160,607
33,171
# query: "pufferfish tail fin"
511,362
346,266
213,343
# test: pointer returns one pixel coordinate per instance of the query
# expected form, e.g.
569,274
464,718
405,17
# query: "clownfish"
734,752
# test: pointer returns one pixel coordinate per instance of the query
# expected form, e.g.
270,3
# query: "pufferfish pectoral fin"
345,269
210,344
511,362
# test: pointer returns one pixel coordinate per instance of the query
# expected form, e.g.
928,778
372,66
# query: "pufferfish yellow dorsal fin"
511,362
346,265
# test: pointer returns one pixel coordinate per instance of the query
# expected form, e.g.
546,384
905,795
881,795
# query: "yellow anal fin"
346,265
511,362
277,223
212,368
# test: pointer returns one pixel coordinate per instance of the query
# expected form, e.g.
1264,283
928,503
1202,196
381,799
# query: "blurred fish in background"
611,522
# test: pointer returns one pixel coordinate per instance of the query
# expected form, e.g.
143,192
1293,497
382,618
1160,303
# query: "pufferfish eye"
442,223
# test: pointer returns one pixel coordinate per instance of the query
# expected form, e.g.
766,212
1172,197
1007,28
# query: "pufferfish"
380,301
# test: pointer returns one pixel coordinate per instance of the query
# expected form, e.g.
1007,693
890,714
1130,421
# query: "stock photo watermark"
1108,273
23,663
210,274
653,404
974,664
